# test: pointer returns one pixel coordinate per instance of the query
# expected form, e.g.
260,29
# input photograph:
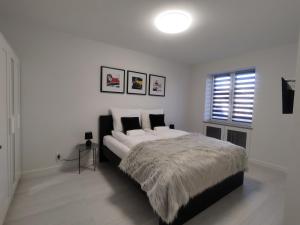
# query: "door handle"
0,147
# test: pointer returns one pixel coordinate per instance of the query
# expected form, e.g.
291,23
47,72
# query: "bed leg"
160,222
176,222
102,158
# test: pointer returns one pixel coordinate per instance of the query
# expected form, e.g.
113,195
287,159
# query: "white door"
4,191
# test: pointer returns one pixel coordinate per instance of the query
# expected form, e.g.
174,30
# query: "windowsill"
232,124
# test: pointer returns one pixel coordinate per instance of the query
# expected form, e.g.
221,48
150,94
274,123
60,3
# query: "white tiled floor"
107,197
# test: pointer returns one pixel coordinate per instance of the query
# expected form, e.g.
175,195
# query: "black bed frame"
196,204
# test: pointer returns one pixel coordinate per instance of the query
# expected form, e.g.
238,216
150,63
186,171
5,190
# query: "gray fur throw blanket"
172,171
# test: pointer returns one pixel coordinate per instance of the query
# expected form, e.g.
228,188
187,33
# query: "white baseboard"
268,165
46,171
58,168
40,172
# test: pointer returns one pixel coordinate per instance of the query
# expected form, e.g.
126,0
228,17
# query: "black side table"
83,148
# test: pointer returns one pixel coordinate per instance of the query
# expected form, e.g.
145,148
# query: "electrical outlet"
57,156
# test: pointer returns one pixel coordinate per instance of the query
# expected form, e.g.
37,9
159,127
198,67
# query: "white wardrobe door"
4,184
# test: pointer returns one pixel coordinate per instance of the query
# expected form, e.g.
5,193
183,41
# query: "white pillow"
117,113
145,117
163,128
136,132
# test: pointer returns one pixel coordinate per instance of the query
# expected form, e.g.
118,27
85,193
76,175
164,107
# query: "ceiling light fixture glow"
173,21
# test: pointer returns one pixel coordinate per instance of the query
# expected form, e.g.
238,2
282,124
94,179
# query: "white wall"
271,135
61,96
292,216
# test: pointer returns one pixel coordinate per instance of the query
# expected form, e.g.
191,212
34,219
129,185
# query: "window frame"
230,121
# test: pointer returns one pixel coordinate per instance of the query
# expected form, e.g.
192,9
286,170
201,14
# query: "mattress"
115,146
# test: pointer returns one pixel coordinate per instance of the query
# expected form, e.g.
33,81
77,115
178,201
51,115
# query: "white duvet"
146,135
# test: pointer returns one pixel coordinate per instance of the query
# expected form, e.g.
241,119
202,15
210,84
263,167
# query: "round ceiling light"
173,21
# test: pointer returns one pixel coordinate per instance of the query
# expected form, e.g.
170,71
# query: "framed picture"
112,80
157,85
136,83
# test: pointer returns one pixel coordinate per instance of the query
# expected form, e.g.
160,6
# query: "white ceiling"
221,28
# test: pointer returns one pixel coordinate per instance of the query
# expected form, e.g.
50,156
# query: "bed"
195,205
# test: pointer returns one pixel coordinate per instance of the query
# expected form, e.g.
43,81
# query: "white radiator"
236,135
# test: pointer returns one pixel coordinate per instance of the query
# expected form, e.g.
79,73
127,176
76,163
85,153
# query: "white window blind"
243,98
232,96
221,96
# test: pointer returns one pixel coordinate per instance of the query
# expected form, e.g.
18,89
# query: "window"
231,96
